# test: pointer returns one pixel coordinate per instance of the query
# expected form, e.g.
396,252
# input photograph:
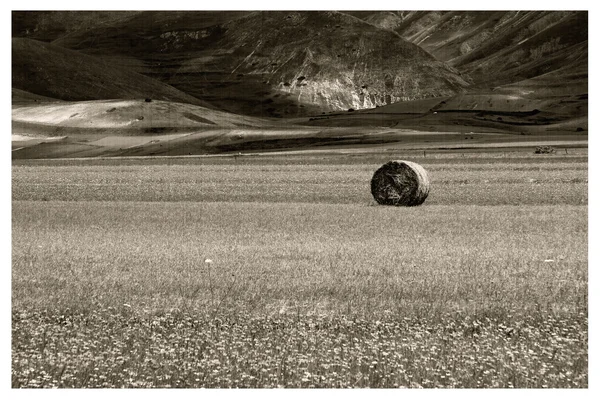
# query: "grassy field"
309,283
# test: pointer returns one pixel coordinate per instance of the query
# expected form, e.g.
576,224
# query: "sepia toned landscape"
192,205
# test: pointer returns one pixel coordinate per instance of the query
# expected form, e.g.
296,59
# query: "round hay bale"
400,183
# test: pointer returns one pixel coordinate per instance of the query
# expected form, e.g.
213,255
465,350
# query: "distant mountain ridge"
494,47
271,63
288,64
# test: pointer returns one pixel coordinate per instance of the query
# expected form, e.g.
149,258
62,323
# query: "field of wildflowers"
309,283
112,348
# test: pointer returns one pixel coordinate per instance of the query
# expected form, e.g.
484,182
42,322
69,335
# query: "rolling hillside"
273,63
127,127
19,96
47,26
52,71
125,117
494,47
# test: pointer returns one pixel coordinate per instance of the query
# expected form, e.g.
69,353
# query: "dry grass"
455,180
303,291
125,348
307,258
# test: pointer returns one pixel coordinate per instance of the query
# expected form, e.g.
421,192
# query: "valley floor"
258,141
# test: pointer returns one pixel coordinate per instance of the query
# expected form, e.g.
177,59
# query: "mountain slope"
275,63
494,47
22,97
334,61
557,45
50,25
52,71
307,63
